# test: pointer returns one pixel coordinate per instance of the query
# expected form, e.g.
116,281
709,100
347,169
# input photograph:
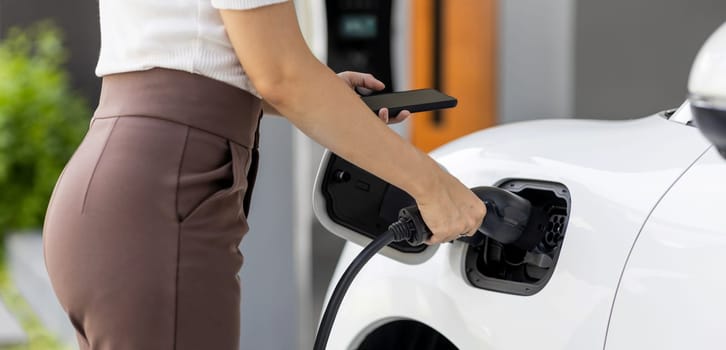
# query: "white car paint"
616,173
672,292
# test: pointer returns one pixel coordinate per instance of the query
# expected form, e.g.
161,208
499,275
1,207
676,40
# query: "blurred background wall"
79,22
547,59
633,57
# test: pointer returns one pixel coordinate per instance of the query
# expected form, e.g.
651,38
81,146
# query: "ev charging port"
525,266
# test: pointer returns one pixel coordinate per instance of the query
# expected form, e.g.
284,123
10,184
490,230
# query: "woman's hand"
450,210
364,84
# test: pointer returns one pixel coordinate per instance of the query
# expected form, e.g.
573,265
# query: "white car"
631,256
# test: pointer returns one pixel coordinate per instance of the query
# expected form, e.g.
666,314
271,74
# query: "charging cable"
507,216
409,228
321,340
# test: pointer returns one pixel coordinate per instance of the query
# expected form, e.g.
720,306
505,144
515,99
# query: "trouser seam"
95,166
178,238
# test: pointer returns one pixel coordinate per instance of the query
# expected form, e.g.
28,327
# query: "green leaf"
42,121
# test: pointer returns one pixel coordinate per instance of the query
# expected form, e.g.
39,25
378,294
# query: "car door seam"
637,236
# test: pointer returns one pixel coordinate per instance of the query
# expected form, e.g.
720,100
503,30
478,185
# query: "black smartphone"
413,101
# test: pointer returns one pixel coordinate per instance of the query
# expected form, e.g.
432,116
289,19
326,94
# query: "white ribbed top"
185,35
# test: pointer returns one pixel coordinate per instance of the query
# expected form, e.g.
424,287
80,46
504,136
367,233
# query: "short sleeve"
243,4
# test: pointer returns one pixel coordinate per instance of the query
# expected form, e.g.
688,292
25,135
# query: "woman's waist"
182,97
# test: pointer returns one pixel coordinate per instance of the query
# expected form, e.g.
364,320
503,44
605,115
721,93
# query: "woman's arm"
271,48
363,82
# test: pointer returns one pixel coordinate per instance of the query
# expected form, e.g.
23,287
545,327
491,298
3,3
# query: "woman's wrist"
426,180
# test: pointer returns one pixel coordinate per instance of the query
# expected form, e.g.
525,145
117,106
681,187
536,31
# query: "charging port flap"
523,267
358,206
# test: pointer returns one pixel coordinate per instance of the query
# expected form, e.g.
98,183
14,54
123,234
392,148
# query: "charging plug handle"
507,214
506,219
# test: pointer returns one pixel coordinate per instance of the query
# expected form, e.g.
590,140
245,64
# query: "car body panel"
616,173
672,291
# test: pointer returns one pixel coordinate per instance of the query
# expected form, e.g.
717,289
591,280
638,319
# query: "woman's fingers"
403,115
450,209
364,84
363,91
383,115
359,80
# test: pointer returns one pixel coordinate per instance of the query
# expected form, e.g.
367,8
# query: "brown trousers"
142,230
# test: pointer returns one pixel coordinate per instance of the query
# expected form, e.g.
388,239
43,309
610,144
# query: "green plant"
42,120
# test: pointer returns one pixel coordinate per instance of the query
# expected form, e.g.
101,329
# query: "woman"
142,231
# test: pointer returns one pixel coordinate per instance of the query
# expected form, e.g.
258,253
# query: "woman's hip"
147,215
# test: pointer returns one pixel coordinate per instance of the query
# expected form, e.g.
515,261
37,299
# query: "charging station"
359,38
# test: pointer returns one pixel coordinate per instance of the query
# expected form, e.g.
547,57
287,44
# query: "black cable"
398,231
504,223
